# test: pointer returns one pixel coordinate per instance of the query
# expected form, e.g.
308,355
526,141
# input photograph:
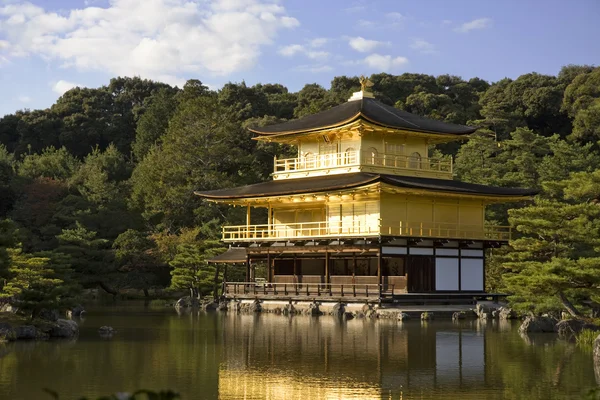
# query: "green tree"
582,103
90,258
191,271
312,99
33,285
555,262
51,163
152,125
8,240
137,259
205,148
7,174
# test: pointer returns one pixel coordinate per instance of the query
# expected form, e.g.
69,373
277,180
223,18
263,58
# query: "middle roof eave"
286,187
293,186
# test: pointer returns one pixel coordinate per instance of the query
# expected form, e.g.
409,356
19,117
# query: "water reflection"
209,356
326,358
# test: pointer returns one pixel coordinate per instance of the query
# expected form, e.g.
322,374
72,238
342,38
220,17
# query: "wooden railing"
326,229
311,290
356,158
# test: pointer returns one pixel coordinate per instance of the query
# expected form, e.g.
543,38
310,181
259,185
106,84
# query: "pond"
210,356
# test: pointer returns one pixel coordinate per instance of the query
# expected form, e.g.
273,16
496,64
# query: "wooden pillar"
247,268
269,268
295,266
269,219
327,267
379,261
248,217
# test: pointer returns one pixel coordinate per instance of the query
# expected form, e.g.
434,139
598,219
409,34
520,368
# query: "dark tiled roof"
233,255
349,181
369,109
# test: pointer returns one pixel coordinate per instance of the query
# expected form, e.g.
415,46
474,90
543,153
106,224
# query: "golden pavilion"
362,212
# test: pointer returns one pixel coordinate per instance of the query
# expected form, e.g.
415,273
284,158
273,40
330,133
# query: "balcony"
354,161
341,229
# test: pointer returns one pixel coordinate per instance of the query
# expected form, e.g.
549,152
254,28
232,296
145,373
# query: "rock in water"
458,315
183,302
255,307
106,331
337,310
427,316
64,328
403,316
76,311
569,328
210,306
507,313
223,305
27,332
538,325
313,309
49,315
485,312
7,332
288,309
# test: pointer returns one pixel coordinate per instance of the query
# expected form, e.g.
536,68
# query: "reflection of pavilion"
324,358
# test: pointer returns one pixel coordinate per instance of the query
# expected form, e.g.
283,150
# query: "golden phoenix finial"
365,83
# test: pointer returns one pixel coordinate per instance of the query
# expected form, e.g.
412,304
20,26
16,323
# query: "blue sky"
48,46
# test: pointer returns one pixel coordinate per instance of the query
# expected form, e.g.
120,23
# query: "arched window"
350,156
372,156
414,161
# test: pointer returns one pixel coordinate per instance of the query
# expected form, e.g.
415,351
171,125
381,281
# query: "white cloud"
293,49
61,86
363,45
480,23
315,69
318,42
365,23
423,46
395,16
355,9
24,99
380,62
158,39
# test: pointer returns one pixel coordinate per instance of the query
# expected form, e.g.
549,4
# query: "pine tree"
91,258
33,284
190,269
556,262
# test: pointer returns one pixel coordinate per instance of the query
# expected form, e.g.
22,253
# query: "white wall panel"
393,250
446,252
421,252
471,253
446,273
471,274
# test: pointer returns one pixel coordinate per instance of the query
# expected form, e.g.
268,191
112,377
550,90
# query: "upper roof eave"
368,109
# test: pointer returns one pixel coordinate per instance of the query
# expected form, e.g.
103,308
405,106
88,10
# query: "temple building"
362,211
